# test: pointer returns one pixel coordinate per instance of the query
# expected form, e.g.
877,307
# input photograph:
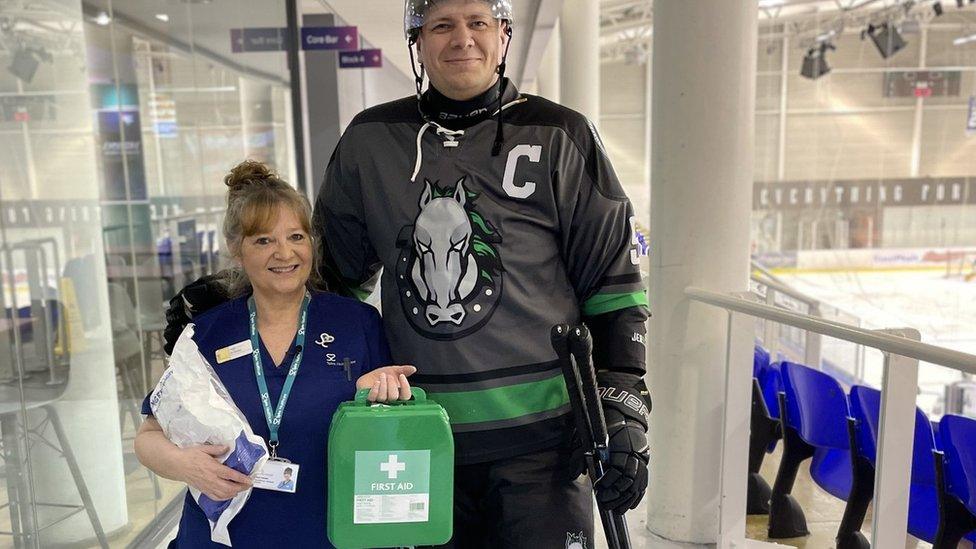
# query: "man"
493,216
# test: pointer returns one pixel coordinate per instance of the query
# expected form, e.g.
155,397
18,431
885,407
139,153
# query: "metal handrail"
776,283
899,386
934,354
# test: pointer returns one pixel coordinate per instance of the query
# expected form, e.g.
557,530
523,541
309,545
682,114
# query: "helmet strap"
499,132
417,74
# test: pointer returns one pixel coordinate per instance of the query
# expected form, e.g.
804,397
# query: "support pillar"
703,107
547,77
579,57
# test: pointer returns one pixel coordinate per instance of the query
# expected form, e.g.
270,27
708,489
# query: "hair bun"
248,173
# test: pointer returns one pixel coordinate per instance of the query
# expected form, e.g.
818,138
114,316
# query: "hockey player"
494,215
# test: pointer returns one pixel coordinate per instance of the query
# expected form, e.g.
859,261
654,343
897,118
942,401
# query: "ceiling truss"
626,26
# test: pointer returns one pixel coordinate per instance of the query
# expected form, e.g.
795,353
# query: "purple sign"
258,39
330,38
361,59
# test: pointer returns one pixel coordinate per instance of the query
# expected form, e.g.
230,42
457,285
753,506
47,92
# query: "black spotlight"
24,65
960,3
887,39
937,8
815,61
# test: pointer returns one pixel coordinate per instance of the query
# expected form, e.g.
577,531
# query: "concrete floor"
823,513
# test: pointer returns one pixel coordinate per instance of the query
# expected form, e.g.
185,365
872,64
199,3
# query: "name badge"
236,350
279,476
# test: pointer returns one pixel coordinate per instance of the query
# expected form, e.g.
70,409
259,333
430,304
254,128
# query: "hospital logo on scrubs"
324,340
449,272
575,541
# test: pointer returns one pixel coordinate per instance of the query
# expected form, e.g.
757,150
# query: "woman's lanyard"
274,418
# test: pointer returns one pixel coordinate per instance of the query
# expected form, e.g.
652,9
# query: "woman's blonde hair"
255,196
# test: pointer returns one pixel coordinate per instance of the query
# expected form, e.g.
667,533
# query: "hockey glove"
194,299
625,477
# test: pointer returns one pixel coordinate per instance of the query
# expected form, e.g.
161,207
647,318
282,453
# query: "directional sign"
330,38
360,59
258,39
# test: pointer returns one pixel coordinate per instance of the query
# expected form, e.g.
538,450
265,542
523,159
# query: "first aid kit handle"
419,396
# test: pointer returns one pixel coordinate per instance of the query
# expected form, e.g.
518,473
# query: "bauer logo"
635,403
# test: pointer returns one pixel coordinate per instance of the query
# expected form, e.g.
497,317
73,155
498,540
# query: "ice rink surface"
942,308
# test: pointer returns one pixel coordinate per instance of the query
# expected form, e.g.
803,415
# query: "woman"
342,347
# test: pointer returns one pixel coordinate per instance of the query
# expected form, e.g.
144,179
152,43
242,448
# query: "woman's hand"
201,470
387,383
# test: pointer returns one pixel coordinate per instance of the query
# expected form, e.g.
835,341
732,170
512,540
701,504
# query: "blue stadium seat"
760,361
763,433
923,508
771,382
956,472
814,416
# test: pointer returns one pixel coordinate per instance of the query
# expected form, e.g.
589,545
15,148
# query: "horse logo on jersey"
449,274
575,541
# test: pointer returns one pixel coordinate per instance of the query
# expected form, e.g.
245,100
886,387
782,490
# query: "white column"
703,108
547,79
579,57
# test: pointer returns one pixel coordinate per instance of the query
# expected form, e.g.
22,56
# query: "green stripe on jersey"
605,303
503,402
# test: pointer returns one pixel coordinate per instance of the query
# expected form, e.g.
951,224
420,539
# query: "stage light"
886,38
24,65
815,61
937,8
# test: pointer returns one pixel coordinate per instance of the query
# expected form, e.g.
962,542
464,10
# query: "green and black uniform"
481,255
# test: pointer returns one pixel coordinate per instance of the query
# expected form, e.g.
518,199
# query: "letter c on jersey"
524,190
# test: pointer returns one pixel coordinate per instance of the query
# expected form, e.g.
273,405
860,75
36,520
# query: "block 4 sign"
361,59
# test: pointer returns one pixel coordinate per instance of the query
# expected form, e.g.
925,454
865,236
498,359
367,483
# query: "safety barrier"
902,350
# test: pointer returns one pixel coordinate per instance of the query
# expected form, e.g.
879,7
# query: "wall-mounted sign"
258,39
330,38
360,59
922,83
275,39
793,195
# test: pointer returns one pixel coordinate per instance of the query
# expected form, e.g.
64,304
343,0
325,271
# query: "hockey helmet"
415,13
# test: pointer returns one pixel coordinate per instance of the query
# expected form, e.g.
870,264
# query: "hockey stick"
581,348
574,385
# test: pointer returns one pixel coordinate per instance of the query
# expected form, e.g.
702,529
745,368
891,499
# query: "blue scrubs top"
279,519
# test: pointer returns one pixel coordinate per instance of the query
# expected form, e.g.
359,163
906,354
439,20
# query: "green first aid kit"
391,473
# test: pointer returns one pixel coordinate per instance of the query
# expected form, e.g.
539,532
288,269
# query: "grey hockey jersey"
481,255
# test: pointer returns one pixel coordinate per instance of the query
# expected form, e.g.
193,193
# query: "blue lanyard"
274,417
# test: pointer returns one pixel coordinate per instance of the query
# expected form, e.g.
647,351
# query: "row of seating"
811,413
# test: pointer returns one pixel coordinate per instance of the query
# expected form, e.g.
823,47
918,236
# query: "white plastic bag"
194,408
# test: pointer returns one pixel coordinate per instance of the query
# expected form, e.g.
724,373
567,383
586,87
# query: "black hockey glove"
195,298
625,407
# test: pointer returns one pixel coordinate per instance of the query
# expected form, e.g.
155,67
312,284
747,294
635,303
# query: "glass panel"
118,121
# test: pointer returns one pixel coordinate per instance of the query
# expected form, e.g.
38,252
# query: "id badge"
278,475
231,352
